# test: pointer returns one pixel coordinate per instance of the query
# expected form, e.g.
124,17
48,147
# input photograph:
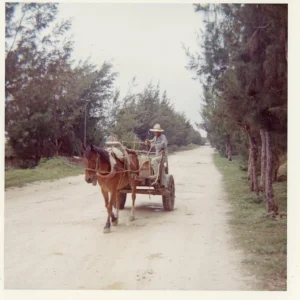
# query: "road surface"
54,236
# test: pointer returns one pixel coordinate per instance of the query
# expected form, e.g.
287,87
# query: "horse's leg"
110,207
117,204
106,197
115,200
107,203
133,196
106,228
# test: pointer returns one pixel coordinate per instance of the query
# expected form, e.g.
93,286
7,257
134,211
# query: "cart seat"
145,166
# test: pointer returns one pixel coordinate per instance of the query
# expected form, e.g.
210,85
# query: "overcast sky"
142,40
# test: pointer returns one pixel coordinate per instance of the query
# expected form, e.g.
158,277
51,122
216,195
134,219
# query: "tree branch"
17,32
262,27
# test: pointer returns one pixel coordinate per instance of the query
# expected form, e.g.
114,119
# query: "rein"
112,172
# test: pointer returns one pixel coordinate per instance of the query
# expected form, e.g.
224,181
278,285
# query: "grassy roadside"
55,168
263,240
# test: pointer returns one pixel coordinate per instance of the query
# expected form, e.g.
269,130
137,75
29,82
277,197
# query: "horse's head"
91,163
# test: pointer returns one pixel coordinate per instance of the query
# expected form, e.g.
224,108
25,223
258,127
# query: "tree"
243,72
36,62
47,98
141,111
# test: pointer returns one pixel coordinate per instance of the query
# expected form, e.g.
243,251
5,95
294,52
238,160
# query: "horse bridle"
96,169
108,175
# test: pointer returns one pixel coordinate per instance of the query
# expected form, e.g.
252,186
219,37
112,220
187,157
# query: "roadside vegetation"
241,64
45,121
47,169
263,239
54,103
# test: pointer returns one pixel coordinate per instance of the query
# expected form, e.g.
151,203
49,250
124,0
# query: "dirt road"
54,236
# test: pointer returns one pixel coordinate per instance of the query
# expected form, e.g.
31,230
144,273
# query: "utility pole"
84,131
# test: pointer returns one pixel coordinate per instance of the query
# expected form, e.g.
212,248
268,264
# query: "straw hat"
156,128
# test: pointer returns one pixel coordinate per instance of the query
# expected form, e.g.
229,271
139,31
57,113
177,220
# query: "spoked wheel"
169,201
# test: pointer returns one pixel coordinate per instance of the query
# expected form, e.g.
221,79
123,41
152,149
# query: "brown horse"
111,179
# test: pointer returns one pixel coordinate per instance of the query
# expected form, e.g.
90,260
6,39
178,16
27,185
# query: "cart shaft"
148,191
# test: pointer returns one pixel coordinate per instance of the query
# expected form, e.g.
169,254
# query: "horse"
111,179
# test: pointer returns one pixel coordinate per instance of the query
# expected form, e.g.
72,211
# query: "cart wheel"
122,200
168,201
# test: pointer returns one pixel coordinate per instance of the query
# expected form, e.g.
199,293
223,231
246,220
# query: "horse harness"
113,171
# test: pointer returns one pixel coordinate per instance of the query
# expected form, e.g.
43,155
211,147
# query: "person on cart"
161,145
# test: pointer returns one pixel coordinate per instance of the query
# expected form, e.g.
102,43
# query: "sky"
142,41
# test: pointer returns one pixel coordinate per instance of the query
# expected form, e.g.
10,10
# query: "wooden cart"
147,184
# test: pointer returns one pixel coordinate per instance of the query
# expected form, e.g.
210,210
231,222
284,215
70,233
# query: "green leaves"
242,67
52,103
141,111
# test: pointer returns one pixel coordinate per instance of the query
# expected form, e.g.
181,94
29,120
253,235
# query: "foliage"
53,103
142,110
242,67
48,169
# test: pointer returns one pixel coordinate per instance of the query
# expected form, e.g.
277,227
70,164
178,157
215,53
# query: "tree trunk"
272,208
57,146
253,161
228,147
263,161
249,165
276,165
254,170
275,174
283,37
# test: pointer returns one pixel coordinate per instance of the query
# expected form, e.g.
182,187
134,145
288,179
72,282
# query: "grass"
47,169
263,239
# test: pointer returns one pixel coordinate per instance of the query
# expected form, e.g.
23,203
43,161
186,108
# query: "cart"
146,182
